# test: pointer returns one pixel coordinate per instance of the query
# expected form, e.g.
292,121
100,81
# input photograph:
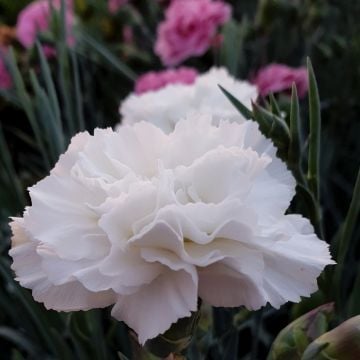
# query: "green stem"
347,231
315,130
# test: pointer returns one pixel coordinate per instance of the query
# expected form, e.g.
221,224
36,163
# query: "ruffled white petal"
149,222
166,106
153,309
70,296
303,256
234,282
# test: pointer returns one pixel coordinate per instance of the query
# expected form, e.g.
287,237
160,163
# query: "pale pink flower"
115,5
5,78
275,78
36,18
189,29
153,80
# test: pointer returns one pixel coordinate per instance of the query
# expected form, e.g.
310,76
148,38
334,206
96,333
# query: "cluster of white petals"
166,106
149,222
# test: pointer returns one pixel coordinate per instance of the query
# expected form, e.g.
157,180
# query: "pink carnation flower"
275,78
153,80
115,5
35,18
5,78
189,29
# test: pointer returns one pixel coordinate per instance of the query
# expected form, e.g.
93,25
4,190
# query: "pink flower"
128,35
153,80
36,18
275,78
5,78
115,5
189,29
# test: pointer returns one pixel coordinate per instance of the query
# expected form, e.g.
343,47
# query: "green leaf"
294,148
243,110
78,328
38,319
78,91
63,26
353,307
65,85
50,87
63,351
273,127
20,341
275,109
315,130
27,106
312,206
350,221
63,64
231,52
8,169
294,154
46,115
175,339
108,56
97,332
347,230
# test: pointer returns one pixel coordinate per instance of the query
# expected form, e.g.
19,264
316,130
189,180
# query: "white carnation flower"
149,222
165,107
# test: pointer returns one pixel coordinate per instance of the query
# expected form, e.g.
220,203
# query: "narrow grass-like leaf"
122,356
45,113
64,76
294,148
265,122
315,129
20,341
97,332
313,208
65,89
350,221
232,46
64,352
347,230
243,110
10,97
231,348
27,106
256,329
272,126
109,57
275,108
353,307
25,137
50,87
63,25
78,92
36,316
9,169
294,155
80,334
